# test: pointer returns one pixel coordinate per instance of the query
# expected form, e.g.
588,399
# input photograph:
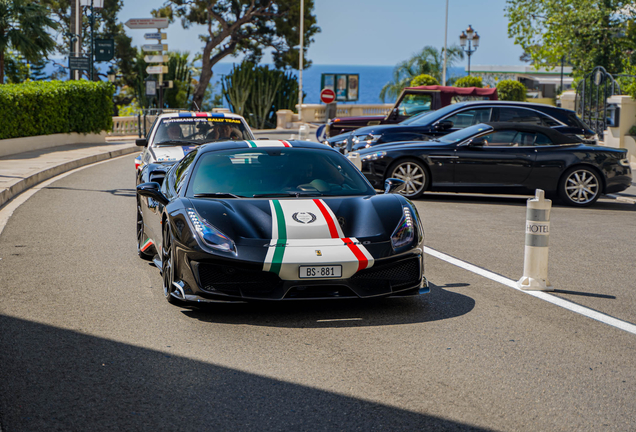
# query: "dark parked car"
276,220
514,158
460,115
412,101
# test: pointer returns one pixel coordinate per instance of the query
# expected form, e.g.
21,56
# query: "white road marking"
7,211
590,313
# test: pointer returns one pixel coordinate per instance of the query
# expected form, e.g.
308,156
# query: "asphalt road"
87,341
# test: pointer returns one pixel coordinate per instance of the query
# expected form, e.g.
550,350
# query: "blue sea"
372,79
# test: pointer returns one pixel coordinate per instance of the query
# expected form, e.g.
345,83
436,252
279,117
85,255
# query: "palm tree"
428,61
24,26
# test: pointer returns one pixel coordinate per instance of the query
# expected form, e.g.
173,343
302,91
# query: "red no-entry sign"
327,96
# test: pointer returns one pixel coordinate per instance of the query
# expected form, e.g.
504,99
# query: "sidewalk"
22,171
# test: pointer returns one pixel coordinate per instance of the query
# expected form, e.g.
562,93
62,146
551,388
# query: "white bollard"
303,132
535,262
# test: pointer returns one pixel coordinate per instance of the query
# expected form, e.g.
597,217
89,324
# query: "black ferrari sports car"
274,220
506,158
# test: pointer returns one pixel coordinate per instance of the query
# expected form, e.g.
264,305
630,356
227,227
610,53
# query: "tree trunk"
204,79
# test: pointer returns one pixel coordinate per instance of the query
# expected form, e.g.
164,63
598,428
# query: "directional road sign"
158,36
79,63
147,23
155,47
156,59
160,69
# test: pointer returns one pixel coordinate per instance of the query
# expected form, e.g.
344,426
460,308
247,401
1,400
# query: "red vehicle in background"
412,101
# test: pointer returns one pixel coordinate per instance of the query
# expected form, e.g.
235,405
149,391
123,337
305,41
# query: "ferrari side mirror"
152,190
141,142
393,185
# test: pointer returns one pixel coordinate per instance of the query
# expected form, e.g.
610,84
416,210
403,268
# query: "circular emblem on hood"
304,217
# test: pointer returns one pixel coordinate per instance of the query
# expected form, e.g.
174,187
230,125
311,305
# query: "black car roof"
555,136
230,145
538,106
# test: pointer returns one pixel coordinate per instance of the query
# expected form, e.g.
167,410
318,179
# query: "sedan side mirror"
393,185
151,190
141,142
444,125
477,142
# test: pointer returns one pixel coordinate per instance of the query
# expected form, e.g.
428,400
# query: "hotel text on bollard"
535,261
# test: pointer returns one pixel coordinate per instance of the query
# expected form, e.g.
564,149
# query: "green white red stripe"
146,245
268,143
313,238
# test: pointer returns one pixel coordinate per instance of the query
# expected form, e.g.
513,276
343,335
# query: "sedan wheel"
580,187
414,175
167,265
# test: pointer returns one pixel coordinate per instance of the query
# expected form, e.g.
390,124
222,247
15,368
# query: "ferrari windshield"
275,172
199,130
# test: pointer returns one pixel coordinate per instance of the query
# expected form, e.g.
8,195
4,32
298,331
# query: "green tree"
429,61
244,27
423,80
24,28
37,70
106,26
588,32
469,81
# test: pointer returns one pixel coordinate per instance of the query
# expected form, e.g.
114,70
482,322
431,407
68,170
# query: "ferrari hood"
372,218
171,153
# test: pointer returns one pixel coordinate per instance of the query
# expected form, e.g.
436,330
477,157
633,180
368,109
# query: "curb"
28,182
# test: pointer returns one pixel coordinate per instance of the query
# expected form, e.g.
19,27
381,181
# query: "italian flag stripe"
277,260
333,231
251,144
285,143
146,245
362,259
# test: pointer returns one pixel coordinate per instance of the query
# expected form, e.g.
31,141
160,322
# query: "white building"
541,83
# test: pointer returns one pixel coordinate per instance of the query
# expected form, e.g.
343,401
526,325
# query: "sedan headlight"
373,156
405,231
369,139
338,143
208,235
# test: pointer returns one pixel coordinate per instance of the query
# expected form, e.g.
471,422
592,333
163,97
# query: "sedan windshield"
274,172
430,117
464,134
199,130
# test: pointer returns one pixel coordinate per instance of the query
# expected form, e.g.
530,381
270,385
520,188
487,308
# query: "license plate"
334,271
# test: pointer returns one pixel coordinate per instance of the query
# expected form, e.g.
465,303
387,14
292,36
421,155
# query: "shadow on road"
439,304
116,192
59,380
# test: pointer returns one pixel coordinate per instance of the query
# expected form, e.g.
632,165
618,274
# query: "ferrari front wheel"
167,264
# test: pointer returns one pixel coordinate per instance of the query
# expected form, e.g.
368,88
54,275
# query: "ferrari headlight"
624,162
369,139
405,231
209,235
374,156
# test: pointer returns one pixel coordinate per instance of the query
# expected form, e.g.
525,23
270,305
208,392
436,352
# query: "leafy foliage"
587,33
244,27
257,92
469,81
423,80
43,108
511,90
429,61
24,28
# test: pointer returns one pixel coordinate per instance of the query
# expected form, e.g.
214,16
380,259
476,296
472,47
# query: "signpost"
79,63
327,96
158,36
155,47
147,23
104,50
157,70
156,59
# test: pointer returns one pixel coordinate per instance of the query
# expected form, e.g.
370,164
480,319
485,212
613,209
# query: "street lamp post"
472,38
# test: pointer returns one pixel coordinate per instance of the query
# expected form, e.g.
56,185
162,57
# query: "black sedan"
454,117
276,220
508,158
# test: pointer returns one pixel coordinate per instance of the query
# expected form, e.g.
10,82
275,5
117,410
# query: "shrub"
632,131
423,80
469,81
511,90
44,108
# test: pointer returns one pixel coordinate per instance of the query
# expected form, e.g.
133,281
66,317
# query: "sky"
374,32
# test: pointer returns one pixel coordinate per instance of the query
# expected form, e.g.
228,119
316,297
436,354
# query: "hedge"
423,80
469,81
511,90
44,108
